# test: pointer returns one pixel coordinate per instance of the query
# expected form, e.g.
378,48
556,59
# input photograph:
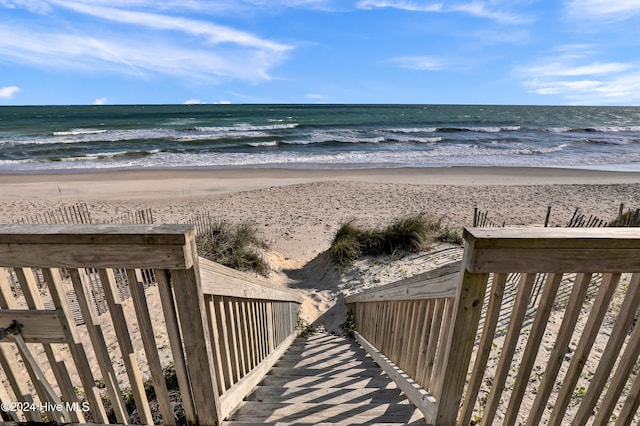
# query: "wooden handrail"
208,312
252,325
404,326
590,284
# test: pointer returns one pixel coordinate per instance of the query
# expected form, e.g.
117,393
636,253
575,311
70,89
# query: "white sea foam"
246,127
76,132
263,144
492,129
411,130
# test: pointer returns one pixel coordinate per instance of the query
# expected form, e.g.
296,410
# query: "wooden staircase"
327,379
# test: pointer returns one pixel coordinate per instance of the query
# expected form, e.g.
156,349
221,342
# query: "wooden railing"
216,328
251,325
404,326
575,362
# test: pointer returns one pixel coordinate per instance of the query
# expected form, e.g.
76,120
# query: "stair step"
336,371
250,411
345,382
326,395
326,379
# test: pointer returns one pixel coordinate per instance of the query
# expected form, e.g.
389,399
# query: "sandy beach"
297,212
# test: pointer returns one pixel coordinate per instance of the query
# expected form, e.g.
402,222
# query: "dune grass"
411,234
236,246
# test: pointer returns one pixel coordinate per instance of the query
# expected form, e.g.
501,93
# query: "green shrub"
410,234
235,246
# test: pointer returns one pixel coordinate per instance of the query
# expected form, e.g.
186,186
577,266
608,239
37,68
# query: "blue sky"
584,52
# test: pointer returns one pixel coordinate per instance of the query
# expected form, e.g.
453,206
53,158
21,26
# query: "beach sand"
297,212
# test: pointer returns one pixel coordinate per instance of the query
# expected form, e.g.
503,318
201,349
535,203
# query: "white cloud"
420,63
316,96
34,6
620,9
8,92
222,102
596,68
400,4
578,82
163,44
100,101
213,33
194,102
141,56
480,9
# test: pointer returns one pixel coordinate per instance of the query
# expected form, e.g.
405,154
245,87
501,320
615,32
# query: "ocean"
35,139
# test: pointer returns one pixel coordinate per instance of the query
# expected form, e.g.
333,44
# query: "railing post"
197,345
270,331
458,355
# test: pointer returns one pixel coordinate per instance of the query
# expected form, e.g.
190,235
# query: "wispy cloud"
599,9
317,97
480,9
400,4
33,6
596,68
164,44
100,101
211,32
420,63
578,82
8,92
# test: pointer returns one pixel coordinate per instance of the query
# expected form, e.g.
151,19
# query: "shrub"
235,246
410,234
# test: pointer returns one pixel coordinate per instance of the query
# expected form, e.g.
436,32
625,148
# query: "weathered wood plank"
484,350
424,401
614,344
173,332
552,238
92,256
220,280
95,234
100,348
467,316
437,283
150,348
536,260
38,326
34,302
197,346
232,397
533,345
76,348
126,346
598,311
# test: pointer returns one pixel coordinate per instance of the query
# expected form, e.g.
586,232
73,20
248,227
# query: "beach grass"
410,234
237,246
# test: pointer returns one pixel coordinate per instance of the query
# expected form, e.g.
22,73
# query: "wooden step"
332,372
368,395
325,379
345,382
302,413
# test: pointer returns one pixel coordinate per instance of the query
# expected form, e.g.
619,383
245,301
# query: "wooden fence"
628,218
218,328
581,370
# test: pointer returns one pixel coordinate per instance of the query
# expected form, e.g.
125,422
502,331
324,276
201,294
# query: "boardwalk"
326,379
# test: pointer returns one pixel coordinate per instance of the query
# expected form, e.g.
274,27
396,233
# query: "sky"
545,52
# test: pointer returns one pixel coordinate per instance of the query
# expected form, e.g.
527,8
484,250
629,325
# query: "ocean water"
76,138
